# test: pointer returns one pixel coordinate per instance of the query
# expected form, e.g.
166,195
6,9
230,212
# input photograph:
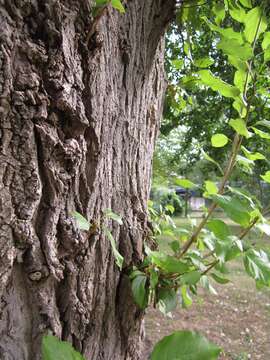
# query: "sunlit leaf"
203,62
111,215
261,134
186,298
253,18
253,156
168,263
246,3
83,224
266,40
234,48
185,345
219,228
257,265
118,257
219,11
236,209
218,85
211,187
266,177
219,140
239,125
185,183
178,63
116,4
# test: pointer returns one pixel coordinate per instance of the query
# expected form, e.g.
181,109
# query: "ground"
237,318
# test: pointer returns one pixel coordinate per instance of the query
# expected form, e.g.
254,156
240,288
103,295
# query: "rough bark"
80,109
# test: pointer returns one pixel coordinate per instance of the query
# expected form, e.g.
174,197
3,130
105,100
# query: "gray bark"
80,107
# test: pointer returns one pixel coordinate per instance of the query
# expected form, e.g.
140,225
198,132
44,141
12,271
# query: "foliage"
116,4
185,345
54,349
231,87
193,114
84,224
167,199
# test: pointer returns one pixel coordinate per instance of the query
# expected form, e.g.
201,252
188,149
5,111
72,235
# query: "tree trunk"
80,104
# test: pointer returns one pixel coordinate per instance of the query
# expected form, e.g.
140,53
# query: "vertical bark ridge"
78,125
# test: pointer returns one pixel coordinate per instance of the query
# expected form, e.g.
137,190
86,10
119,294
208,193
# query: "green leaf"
236,209
265,123
203,62
170,208
219,279
211,187
240,106
83,224
116,4
55,349
219,11
191,278
242,193
139,292
227,249
100,3
233,47
185,183
252,20
237,63
219,228
178,64
228,33
168,263
208,158
266,40
245,163
167,300
219,140
240,127
237,13
257,265
118,257
111,215
252,156
246,3
261,133
206,284
186,298
185,345
175,246
217,84
240,79
266,177
153,278
267,54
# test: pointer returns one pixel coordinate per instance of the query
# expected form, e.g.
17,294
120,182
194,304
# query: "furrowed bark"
78,125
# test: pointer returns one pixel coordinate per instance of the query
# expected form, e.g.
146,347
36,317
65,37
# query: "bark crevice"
78,124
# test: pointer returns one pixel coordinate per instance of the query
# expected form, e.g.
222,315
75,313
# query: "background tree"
81,98
192,112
